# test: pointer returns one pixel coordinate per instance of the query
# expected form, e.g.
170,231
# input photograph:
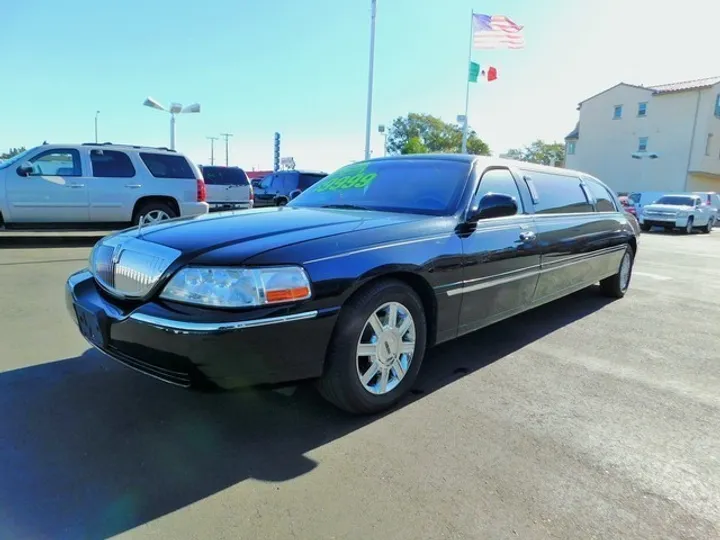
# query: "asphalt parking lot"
585,418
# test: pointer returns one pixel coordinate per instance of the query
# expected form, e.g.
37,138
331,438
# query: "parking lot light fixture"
175,109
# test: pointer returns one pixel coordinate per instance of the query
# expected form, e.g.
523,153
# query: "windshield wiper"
345,206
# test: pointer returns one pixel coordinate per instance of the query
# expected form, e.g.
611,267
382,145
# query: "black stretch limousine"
353,280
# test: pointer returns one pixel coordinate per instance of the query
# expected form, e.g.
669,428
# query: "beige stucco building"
650,138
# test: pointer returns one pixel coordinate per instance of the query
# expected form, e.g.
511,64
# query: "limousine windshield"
422,186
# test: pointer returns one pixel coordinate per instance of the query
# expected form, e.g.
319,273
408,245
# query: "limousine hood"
249,232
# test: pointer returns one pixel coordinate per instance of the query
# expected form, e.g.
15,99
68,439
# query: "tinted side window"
603,199
111,164
266,182
58,162
559,194
290,182
498,181
634,197
307,180
167,166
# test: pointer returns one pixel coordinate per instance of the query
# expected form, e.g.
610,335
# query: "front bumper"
189,346
663,221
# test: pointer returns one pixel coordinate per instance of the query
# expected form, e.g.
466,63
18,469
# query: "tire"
154,208
689,226
281,201
341,382
616,286
645,227
709,227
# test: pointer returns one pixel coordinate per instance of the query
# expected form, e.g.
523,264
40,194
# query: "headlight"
238,287
682,214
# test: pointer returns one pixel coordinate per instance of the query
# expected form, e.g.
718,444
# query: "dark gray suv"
281,187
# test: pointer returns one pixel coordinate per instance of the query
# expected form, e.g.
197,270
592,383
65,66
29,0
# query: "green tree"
12,152
420,133
540,152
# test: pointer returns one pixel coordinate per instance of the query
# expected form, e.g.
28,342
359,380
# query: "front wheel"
644,227
616,286
709,227
689,226
376,350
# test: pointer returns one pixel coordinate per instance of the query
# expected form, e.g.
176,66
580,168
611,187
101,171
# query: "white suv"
99,184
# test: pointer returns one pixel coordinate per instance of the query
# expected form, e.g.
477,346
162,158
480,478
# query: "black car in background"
281,187
354,279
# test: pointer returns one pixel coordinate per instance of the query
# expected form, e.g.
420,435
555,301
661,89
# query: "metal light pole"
96,126
175,109
227,136
212,149
368,119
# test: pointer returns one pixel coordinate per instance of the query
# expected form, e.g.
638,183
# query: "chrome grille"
128,267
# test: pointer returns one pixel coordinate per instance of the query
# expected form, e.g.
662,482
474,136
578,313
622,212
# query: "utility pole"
212,149
368,119
227,136
96,124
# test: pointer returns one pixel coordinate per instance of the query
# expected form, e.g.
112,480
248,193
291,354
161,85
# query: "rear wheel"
153,212
281,201
376,349
616,286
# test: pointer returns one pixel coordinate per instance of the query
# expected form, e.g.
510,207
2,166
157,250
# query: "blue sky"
301,68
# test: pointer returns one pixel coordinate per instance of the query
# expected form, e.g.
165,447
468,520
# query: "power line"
227,136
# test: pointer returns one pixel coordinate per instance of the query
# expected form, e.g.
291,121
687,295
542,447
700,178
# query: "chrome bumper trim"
185,327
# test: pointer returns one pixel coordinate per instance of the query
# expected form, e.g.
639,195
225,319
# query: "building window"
617,112
570,148
717,106
708,144
642,144
642,109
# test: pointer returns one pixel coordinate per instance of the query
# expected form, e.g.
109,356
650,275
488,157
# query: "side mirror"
494,205
25,169
294,194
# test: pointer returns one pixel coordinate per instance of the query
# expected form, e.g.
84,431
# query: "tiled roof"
682,86
575,133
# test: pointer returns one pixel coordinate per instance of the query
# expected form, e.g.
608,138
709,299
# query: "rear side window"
307,180
225,176
167,166
559,194
603,200
111,164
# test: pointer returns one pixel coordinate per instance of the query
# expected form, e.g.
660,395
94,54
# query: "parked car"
627,205
228,188
100,184
279,188
682,211
712,200
354,279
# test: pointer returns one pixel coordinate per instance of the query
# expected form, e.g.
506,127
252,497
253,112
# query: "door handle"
133,186
75,186
527,236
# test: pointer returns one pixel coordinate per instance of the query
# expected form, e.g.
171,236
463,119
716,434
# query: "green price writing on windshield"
352,178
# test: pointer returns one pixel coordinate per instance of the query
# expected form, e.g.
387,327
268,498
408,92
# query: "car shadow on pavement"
89,449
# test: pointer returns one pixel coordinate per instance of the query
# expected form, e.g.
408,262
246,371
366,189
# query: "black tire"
689,227
644,227
709,227
340,383
281,201
612,286
146,208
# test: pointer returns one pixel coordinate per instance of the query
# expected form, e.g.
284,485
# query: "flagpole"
368,119
467,86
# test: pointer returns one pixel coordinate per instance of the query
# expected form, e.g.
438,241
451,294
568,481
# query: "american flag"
496,32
